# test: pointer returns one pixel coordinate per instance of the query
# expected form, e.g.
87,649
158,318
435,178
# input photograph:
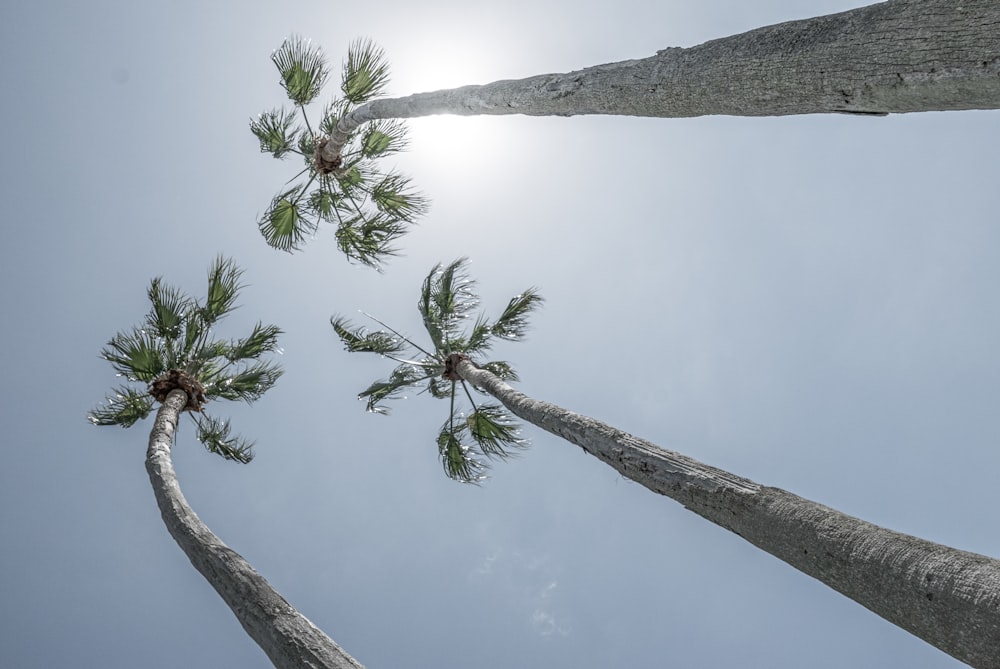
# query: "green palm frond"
501,370
360,339
302,67
365,73
393,196
306,145
137,355
124,407
404,376
263,339
247,384
168,309
457,459
206,360
275,132
446,297
223,288
214,433
322,203
440,388
478,339
493,430
382,138
369,240
513,322
285,224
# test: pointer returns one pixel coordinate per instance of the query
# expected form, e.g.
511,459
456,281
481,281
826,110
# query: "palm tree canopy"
447,300
174,347
370,207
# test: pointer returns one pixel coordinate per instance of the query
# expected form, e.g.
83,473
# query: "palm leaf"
493,430
393,195
322,202
513,322
214,434
263,339
169,307
285,225
365,73
302,67
306,144
403,376
369,239
359,339
124,408
446,296
457,459
440,388
351,178
137,355
382,138
479,337
273,130
501,370
223,289
247,384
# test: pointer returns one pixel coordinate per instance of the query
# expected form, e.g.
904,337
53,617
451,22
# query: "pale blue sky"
809,302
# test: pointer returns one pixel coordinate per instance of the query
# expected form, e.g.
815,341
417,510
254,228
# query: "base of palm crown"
450,372
178,379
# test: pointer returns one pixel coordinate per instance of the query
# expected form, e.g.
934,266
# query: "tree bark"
892,57
947,597
288,638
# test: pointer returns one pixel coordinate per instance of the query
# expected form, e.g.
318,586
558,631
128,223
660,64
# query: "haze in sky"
808,302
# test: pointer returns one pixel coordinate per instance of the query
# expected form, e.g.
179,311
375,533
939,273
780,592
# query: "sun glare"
441,65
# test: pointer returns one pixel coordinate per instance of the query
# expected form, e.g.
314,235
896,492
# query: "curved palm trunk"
892,57
947,597
284,634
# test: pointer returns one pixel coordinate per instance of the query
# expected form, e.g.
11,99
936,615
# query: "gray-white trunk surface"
947,597
892,57
285,635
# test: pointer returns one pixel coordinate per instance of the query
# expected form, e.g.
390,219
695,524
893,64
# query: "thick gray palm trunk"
947,597
284,634
892,57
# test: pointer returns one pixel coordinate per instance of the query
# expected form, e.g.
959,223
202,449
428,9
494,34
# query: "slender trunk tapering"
285,635
892,57
947,597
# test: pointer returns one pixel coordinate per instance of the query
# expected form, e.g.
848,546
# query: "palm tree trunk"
947,597
892,57
288,638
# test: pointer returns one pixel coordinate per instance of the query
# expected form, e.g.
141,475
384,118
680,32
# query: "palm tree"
175,353
371,208
947,597
446,299
892,57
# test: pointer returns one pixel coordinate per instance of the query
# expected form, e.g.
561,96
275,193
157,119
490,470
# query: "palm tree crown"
370,207
447,299
174,348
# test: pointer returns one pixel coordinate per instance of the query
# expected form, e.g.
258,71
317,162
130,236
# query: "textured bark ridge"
288,638
947,597
892,57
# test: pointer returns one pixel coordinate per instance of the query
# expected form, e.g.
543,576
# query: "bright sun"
471,141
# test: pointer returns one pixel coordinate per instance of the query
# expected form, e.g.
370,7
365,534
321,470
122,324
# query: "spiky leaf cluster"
177,334
466,441
371,208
